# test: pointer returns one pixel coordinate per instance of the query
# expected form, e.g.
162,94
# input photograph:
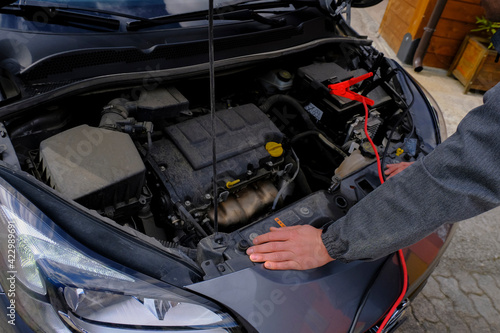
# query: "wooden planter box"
474,65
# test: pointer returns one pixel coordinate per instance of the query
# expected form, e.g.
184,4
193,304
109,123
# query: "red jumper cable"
342,89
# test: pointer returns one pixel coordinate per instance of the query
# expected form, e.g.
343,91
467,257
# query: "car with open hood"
144,144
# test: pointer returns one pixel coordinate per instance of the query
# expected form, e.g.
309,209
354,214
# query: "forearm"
457,181
394,216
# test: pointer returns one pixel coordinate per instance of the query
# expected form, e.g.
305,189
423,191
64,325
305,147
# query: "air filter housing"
96,167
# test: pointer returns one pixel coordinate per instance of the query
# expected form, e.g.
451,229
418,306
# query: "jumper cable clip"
342,89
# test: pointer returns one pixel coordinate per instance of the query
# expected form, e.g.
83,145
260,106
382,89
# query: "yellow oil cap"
399,151
231,184
274,149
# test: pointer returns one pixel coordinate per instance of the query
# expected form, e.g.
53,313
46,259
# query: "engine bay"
142,155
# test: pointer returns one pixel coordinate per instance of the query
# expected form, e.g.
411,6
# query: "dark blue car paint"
319,300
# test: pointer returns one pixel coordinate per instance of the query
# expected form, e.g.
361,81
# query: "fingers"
390,168
282,265
279,261
274,246
272,256
393,169
276,234
297,247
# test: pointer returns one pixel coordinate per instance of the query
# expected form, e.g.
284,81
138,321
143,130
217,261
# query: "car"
144,144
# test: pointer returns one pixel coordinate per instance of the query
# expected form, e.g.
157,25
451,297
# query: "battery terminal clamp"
342,89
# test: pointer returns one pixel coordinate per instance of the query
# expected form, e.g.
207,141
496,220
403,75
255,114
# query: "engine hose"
189,219
47,122
301,180
117,110
331,145
191,253
209,227
302,183
271,101
168,244
322,137
280,192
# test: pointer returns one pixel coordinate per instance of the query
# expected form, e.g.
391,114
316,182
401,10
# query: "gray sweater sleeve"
458,180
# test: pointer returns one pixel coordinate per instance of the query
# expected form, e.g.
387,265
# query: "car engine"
142,155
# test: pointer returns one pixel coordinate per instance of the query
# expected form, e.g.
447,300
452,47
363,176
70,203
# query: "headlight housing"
87,291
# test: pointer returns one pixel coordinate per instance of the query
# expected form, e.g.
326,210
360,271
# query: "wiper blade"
66,16
240,12
4,3
247,14
63,14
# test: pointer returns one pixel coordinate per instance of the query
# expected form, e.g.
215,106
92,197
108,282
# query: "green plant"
487,26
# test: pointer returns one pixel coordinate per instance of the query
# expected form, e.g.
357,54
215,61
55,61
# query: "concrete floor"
463,293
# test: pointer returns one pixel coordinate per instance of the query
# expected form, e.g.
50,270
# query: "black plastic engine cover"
242,133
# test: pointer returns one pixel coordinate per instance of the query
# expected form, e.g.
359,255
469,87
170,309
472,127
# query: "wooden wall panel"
423,11
404,11
461,11
477,2
453,29
396,21
458,18
444,46
437,60
394,36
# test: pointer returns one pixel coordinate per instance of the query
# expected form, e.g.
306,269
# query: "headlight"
87,291
27,231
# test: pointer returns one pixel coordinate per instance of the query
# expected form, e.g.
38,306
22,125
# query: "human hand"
298,247
393,169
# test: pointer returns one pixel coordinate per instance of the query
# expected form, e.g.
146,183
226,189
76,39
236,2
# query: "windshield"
162,27
66,16
140,8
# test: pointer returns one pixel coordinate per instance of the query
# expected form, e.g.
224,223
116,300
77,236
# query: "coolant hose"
271,101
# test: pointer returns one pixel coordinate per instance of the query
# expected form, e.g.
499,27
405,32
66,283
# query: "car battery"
333,111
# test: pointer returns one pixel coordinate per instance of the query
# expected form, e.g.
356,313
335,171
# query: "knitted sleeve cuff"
334,245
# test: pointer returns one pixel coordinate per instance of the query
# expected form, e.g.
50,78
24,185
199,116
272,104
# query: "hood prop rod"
212,113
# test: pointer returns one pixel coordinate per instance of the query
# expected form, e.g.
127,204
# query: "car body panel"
320,300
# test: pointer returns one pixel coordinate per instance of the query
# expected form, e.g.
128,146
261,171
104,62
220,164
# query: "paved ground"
463,294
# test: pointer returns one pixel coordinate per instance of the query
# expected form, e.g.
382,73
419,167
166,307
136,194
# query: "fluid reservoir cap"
367,149
284,75
274,149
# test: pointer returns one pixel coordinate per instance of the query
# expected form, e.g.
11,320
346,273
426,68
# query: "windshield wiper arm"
241,12
66,16
4,3
247,14
60,13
